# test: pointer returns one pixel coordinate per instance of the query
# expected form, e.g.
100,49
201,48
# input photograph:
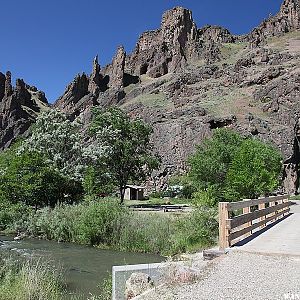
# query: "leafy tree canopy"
60,141
254,171
28,179
210,163
128,152
229,167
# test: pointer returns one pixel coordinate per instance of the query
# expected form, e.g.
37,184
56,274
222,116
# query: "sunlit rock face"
19,107
186,82
287,20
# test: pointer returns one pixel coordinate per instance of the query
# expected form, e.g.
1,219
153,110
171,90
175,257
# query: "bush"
147,233
197,231
208,197
27,178
12,213
229,168
101,222
254,171
210,163
157,195
60,223
184,185
107,224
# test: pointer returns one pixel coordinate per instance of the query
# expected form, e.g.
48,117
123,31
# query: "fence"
238,220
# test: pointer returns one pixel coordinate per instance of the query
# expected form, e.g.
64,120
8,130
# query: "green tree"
254,171
60,141
96,182
211,161
27,178
127,154
187,187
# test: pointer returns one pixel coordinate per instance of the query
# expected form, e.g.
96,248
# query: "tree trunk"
122,194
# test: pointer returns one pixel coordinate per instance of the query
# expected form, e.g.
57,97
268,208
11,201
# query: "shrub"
27,178
187,187
196,231
60,223
210,163
228,167
208,197
254,171
12,213
107,224
101,222
147,233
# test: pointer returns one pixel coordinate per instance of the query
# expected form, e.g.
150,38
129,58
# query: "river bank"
81,269
107,225
118,231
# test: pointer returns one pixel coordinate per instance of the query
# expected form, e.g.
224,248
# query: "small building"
134,192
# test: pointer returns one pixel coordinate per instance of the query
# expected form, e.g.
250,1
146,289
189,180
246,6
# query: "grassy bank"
106,224
22,279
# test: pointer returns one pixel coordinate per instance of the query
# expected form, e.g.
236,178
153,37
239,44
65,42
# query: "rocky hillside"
19,107
186,81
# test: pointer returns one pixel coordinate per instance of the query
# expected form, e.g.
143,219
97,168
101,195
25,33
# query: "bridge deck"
282,238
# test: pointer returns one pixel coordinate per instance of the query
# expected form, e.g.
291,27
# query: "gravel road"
238,276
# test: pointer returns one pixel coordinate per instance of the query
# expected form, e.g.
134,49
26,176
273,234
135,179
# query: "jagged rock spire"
8,85
96,77
96,66
287,20
2,85
290,9
117,69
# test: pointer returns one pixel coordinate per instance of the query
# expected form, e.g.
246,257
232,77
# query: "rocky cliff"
187,81
287,20
19,107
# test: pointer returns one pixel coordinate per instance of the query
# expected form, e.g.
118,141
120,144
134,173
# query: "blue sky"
47,42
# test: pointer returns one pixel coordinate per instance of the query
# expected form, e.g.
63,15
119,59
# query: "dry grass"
282,43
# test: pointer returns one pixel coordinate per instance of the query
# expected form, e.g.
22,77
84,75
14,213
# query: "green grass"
158,201
224,101
22,279
232,52
150,100
281,43
295,197
106,224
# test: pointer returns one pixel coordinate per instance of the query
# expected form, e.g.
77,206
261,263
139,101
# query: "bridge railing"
238,220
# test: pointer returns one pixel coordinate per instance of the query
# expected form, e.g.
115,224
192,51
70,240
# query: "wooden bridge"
265,225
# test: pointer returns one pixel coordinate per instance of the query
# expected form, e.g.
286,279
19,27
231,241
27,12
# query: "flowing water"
84,267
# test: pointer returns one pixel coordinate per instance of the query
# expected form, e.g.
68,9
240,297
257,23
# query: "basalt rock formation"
168,50
187,81
19,107
287,20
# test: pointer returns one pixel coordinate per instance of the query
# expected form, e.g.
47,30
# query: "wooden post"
223,231
247,210
284,201
272,203
260,207
280,210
